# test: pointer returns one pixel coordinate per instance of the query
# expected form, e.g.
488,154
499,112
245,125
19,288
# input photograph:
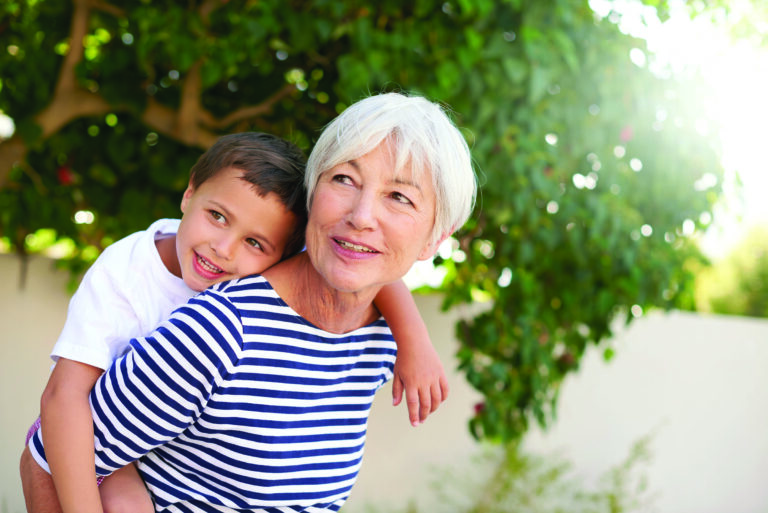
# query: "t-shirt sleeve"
100,319
161,386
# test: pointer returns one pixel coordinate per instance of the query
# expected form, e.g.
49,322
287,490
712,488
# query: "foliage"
588,162
738,284
511,479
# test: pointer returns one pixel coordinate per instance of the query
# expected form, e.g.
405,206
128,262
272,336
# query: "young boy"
243,211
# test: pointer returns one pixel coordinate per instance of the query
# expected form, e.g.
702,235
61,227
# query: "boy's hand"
419,372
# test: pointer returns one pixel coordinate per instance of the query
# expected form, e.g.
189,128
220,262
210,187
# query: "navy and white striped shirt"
239,404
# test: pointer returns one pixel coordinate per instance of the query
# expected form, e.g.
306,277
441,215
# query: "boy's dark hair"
269,164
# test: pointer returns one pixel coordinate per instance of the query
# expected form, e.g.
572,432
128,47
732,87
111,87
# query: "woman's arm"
418,369
67,430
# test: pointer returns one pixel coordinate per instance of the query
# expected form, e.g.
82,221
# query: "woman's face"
368,225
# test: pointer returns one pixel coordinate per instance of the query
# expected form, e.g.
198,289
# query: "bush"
509,479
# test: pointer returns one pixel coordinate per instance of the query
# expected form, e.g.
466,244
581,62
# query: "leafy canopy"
590,166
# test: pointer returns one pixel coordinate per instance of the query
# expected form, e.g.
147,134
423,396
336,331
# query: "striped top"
237,403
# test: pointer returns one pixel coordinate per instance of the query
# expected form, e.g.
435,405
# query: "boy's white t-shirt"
126,293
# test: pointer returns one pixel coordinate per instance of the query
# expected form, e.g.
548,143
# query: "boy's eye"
217,216
253,242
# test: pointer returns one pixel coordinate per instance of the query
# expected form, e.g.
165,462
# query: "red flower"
65,176
479,407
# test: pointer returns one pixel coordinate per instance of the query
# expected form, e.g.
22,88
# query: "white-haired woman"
255,395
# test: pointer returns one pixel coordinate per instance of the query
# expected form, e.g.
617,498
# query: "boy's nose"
224,247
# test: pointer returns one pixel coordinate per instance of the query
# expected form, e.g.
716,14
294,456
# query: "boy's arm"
67,430
418,369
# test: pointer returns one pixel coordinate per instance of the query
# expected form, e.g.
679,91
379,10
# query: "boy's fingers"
425,408
397,391
437,397
412,400
444,388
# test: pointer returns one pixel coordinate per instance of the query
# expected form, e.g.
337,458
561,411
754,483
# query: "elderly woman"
255,395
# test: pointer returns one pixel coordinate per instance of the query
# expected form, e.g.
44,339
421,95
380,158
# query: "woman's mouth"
354,247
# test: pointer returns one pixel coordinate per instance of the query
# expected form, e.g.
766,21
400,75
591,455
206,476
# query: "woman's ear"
430,249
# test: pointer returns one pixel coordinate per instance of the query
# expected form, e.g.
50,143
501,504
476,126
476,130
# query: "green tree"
738,284
587,161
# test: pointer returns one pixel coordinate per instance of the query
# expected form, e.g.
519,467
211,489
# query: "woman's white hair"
421,137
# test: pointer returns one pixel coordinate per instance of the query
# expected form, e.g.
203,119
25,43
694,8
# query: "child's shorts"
33,429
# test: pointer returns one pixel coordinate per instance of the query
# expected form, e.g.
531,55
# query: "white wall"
30,321
699,382
699,386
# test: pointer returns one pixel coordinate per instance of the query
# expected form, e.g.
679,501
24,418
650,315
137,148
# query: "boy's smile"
204,268
228,231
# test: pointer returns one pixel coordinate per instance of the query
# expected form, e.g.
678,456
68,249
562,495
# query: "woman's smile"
354,247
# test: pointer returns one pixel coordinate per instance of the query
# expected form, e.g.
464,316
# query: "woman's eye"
342,179
217,216
401,198
253,242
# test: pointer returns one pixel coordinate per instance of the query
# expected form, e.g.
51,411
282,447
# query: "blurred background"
608,296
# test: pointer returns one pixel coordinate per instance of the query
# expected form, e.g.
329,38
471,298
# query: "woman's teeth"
355,247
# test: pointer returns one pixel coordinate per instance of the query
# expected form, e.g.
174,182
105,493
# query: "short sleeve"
100,320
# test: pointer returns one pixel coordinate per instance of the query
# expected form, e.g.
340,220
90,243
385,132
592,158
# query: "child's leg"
124,492
39,492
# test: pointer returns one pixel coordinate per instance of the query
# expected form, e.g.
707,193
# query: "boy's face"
229,231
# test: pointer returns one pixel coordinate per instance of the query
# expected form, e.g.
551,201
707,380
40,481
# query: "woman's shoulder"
239,288
245,293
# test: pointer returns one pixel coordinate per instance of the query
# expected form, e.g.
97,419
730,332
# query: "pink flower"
626,134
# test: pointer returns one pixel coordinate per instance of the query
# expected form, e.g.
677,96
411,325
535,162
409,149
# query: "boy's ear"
187,195
430,249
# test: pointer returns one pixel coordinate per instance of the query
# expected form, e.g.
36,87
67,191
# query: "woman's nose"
363,212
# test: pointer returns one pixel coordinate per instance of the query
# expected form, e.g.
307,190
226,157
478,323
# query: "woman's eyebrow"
403,181
398,180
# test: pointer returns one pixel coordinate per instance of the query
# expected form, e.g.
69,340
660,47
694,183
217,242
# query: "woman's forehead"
407,166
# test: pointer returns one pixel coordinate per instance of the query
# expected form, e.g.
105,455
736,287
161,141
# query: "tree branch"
108,8
189,109
68,106
77,29
207,7
252,111
12,151
164,120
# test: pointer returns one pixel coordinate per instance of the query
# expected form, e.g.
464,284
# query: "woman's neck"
299,284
